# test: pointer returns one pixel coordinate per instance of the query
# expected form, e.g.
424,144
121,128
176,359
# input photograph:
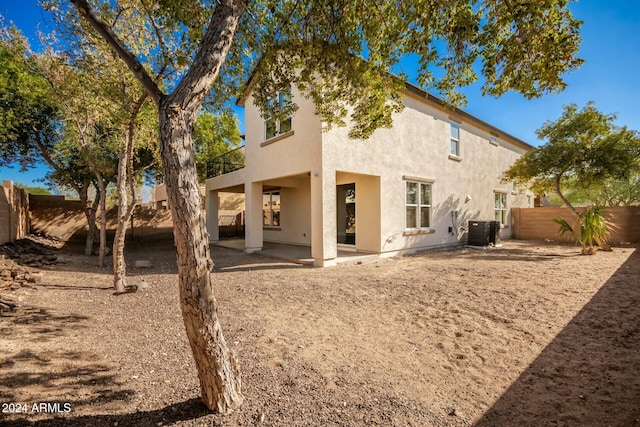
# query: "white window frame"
500,209
420,203
268,213
453,140
278,98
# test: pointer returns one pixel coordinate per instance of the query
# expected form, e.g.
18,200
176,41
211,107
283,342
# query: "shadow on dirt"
515,255
38,324
188,410
590,373
44,373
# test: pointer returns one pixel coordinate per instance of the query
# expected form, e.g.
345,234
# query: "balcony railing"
228,162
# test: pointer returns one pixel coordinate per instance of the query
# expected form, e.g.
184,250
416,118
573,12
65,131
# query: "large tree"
127,100
33,125
318,45
584,149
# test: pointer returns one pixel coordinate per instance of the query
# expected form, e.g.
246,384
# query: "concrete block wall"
538,224
14,212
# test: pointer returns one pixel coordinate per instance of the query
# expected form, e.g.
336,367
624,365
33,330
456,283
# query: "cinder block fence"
537,223
14,212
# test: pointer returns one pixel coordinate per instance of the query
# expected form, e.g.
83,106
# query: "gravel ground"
526,334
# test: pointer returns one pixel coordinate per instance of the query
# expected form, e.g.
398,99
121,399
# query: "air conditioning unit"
484,233
494,233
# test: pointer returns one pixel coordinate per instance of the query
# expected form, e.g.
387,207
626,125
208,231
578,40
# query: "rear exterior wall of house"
411,187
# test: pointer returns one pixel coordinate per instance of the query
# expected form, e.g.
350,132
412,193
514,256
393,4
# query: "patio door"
346,213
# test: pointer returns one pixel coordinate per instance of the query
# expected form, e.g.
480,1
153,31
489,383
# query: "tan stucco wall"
293,155
285,164
368,219
418,146
294,217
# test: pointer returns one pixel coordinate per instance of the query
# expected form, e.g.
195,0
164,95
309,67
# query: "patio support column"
212,216
324,248
253,217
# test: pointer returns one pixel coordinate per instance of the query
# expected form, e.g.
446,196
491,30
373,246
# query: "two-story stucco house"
404,189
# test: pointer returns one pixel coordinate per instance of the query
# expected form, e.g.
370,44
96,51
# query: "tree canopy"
584,149
29,115
319,46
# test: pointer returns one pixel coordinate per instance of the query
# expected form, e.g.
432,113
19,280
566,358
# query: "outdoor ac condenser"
484,233
479,232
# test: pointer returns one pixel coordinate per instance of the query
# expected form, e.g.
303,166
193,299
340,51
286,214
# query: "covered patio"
298,254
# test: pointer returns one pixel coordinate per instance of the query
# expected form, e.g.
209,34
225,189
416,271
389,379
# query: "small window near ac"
500,209
418,205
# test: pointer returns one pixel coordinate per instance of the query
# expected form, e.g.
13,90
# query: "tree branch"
194,86
85,10
562,197
47,158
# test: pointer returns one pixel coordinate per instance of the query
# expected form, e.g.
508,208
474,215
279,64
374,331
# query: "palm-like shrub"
594,229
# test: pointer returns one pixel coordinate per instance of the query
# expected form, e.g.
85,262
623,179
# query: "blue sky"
610,46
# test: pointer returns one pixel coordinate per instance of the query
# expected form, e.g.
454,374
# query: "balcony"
226,163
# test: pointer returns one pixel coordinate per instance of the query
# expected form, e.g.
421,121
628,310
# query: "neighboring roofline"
415,90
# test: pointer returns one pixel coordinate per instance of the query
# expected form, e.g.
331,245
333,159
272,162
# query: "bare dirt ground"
528,334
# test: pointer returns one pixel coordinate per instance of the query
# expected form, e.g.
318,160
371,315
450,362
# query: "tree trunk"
217,369
82,194
564,199
126,202
91,234
119,264
102,190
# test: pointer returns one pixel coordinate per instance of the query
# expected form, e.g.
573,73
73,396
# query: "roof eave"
415,90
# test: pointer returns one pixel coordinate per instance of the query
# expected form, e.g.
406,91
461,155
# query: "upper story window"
418,204
275,126
455,140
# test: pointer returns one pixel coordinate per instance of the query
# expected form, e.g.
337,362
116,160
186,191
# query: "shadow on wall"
65,220
590,373
455,213
232,202
443,218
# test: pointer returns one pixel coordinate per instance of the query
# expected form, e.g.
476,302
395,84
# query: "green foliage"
616,192
33,190
214,135
584,150
319,46
608,192
29,115
593,229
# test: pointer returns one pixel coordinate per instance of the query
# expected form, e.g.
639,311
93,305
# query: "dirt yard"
527,334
